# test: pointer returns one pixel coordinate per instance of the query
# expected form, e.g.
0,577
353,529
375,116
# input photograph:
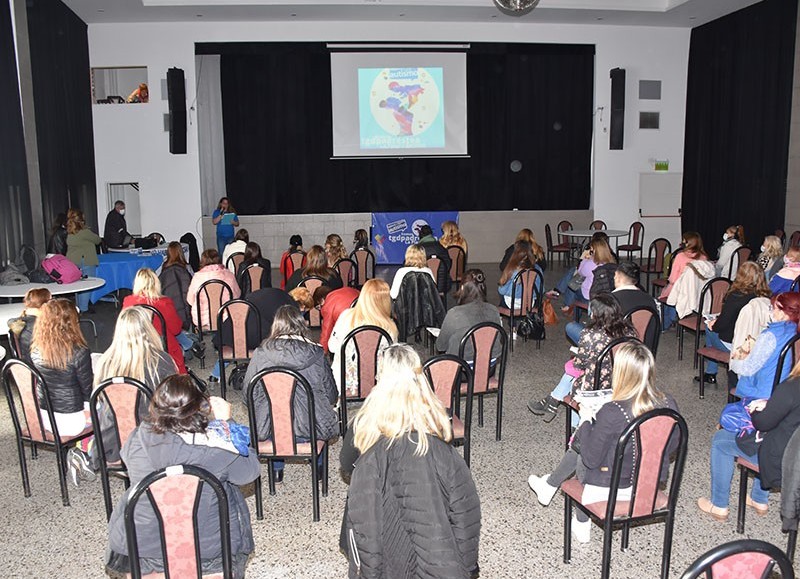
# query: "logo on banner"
417,225
396,226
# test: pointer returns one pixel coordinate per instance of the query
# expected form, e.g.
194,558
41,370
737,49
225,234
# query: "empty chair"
635,239
346,268
562,249
711,298
598,225
745,559
365,265
488,370
446,374
659,248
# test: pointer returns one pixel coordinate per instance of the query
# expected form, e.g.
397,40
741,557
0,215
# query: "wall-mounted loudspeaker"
617,132
176,95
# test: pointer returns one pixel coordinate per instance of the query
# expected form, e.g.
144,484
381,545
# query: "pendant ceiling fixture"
516,7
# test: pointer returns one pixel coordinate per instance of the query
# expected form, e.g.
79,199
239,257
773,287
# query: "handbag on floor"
549,313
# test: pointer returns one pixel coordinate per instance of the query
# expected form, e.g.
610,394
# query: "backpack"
61,269
603,282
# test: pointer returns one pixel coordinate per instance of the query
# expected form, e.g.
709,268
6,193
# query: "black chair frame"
455,402
251,310
211,315
655,332
369,266
701,568
536,299
158,315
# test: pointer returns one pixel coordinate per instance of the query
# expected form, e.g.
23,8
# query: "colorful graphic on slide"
401,108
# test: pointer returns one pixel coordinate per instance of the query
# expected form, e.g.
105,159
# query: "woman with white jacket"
732,239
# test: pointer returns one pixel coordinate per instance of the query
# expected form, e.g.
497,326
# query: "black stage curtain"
526,102
738,115
15,218
62,97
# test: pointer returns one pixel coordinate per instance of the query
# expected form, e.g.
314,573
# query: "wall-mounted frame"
120,85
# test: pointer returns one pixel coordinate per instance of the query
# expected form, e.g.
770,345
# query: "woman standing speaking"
225,218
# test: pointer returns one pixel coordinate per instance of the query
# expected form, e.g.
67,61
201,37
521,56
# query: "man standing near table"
116,233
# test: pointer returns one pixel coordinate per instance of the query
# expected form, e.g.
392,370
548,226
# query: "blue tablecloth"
119,271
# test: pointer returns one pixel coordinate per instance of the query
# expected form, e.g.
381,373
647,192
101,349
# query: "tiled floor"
519,537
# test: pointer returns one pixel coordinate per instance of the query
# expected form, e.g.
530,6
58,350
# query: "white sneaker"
514,335
544,491
581,530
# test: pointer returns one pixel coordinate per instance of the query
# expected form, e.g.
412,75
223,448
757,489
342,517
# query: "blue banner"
392,233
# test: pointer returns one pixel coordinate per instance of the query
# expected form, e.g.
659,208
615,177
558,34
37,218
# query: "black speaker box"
176,95
617,135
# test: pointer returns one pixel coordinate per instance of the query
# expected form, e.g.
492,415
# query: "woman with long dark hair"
522,258
316,266
252,255
607,323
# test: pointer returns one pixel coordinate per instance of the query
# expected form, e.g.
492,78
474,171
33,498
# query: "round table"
56,289
590,232
119,270
9,312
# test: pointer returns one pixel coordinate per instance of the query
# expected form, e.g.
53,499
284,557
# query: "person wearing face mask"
116,233
732,239
782,281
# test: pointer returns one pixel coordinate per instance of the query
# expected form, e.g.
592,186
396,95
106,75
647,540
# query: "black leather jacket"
71,387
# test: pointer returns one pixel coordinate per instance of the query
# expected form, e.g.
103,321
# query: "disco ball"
516,7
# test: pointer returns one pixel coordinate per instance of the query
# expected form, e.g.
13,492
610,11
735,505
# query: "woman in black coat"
175,279
412,503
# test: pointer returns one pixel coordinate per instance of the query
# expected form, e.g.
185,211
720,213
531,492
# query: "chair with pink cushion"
367,342
124,400
365,265
346,268
311,283
281,385
650,435
445,373
174,494
27,381
238,311
210,297
744,559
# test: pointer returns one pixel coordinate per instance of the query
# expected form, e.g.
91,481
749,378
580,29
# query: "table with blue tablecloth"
119,271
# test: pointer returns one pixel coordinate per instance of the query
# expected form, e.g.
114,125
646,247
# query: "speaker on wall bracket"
617,132
176,96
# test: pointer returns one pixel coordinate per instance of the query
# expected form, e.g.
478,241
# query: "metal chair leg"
106,490
62,474
499,431
271,478
608,533
669,524
700,377
567,528
626,532
325,471
740,516
260,499
791,545
480,411
23,467
315,488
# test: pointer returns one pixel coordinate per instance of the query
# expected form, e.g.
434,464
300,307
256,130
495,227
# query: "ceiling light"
516,7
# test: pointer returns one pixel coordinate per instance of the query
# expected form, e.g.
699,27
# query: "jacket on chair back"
412,516
417,305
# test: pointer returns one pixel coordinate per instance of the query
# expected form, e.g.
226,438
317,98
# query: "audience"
770,257
147,291
607,323
82,250
334,249
691,248
774,422
287,266
58,235
238,245
225,218
592,449
783,279
316,266
331,304
528,237
267,301
470,310
749,283
402,434
175,279
756,364
210,268
289,346
60,353
186,427
415,260
522,258
452,236
374,308
115,233
732,239
135,352
563,283
22,327
252,255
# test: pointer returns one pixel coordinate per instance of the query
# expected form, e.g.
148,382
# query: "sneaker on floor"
544,491
551,411
73,469
81,461
581,531
538,406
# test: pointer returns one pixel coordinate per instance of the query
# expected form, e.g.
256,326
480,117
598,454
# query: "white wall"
130,143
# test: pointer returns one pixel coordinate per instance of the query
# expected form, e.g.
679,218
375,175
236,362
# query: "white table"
588,233
9,312
56,289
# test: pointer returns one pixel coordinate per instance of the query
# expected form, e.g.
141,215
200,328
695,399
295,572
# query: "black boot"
538,407
552,409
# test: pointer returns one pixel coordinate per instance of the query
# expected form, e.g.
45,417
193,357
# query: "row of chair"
568,248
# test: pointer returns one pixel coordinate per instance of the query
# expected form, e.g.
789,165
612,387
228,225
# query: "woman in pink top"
210,268
691,249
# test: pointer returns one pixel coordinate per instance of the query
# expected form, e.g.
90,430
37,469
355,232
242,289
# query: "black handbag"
532,326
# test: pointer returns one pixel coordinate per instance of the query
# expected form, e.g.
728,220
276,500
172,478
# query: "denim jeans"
185,341
713,341
563,387
573,331
82,298
563,283
724,451
669,316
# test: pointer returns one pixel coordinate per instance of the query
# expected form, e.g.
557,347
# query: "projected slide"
401,108
399,104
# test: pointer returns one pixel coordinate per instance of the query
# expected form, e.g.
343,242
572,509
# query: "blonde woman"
373,308
415,260
82,245
22,327
334,249
147,291
452,236
634,392
135,352
770,257
402,433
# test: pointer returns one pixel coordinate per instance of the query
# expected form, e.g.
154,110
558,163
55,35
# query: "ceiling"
676,13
